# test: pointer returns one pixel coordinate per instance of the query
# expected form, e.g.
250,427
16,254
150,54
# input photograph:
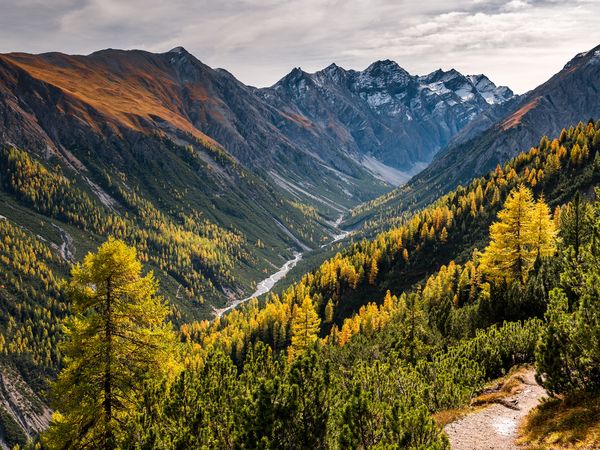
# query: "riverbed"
268,283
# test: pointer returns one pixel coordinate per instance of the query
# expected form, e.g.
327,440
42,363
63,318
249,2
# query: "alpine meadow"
338,259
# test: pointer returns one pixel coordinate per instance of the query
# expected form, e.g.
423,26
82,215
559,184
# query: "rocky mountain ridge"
383,112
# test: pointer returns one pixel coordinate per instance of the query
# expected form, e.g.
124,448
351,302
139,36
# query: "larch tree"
524,231
328,312
116,339
543,231
509,254
305,328
373,271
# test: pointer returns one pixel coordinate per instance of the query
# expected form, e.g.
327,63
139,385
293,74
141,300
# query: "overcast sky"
519,43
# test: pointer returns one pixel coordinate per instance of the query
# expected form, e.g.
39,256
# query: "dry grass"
495,392
570,423
120,89
443,418
505,387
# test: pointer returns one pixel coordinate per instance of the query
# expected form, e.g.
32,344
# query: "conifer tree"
305,328
574,224
509,254
328,312
543,231
117,339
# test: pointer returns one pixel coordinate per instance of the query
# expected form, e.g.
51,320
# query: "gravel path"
495,427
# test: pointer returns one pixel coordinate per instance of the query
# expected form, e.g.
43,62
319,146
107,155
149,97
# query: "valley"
265,286
344,259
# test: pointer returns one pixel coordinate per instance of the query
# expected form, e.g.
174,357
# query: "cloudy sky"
519,43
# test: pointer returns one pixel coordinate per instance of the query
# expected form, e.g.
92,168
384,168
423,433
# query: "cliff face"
23,414
570,96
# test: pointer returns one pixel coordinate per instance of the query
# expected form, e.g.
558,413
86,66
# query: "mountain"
113,93
217,183
390,121
570,96
415,246
135,137
414,308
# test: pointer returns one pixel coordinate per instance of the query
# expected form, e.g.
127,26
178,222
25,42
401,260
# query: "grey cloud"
519,42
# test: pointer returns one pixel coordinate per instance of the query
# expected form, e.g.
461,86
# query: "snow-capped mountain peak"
489,91
371,106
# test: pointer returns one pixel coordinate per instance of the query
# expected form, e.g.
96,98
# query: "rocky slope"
273,166
23,414
55,100
570,96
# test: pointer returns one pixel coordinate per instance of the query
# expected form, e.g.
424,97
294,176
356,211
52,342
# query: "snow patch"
465,92
491,93
378,99
438,88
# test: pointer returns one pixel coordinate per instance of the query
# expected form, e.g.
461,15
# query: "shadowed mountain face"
347,123
493,137
385,115
570,96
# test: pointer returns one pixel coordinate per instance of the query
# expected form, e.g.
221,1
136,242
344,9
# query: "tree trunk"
107,404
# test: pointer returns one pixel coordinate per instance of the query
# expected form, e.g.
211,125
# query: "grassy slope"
563,423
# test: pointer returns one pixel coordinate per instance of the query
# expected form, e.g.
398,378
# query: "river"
268,283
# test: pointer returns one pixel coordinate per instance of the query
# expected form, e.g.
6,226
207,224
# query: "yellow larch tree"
509,254
524,231
543,230
305,328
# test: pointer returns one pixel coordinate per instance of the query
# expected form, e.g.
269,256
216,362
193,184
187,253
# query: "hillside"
206,186
428,347
119,127
569,96
446,232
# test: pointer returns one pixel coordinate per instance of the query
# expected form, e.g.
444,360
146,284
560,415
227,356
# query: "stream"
267,284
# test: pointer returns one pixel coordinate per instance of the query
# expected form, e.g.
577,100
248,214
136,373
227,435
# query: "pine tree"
117,339
305,328
574,224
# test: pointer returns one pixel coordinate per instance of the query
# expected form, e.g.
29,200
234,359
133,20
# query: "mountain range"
275,167
272,169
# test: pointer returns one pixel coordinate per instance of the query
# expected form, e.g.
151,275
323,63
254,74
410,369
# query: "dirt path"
495,427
